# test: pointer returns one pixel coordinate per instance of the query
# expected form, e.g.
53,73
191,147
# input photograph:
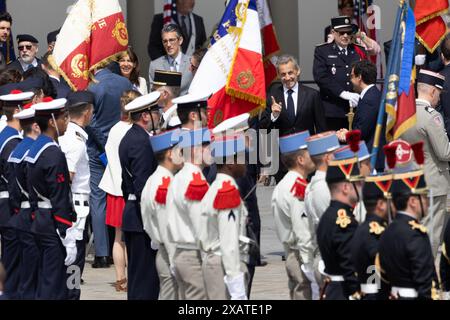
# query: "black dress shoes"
101,262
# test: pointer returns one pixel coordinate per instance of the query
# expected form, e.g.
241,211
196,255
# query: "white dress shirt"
286,95
175,66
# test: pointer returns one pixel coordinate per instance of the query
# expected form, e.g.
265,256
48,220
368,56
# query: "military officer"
444,266
138,163
430,129
367,237
192,111
168,83
49,187
73,144
185,193
154,209
10,194
405,257
332,68
28,250
222,233
294,226
336,229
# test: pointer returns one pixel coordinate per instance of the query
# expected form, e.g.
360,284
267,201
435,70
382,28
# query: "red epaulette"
299,188
197,187
228,197
161,193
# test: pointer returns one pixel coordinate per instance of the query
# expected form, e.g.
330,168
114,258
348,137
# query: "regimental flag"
232,69
431,27
7,49
93,35
169,11
400,97
271,46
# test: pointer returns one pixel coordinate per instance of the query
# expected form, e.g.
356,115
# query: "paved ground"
270,282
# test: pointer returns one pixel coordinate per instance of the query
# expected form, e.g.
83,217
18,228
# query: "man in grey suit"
174,60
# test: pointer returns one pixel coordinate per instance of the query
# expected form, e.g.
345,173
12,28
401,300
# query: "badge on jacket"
333,70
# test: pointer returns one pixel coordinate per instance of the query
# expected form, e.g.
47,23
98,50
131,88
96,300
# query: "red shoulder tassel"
197,188
299,188
161,193
228,197
391,156
353,138
418,152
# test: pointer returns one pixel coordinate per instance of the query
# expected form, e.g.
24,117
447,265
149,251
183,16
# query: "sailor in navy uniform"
9,192
332,68
405,258
336,229
367,237
138,163
21,222
49,187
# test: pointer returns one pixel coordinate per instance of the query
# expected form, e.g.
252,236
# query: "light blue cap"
323,143
165,140
192,138
346,153
293,142
228,146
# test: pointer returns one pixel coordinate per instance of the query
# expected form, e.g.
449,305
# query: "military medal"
333,70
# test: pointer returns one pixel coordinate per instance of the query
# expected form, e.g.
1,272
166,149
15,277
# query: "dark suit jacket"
445,99
61,87
310,114
155,47
366,120
17,66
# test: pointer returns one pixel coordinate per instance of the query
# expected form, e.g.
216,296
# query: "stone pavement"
270,282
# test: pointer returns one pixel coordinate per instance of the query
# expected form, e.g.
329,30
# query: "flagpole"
382,108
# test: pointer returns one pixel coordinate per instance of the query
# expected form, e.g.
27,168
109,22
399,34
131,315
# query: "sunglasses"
341,33
28,47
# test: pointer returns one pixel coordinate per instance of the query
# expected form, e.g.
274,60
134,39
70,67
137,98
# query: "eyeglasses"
28,47
171,41
341,33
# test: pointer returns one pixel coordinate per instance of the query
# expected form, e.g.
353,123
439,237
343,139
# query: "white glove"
236,287
69,242
445,295
353,98
420,59
154,245
308,270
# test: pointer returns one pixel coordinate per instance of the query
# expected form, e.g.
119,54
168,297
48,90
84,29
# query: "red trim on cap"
47,99
15,91
62,220
27,106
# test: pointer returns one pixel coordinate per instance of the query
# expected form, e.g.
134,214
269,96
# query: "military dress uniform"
138,163
169,119
223,235
430,129
405,258
444,266
185,193
155,217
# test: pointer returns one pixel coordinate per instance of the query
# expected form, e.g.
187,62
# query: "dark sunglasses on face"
341,33
28,47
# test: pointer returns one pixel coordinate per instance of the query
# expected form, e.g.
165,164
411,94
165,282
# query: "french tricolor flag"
232,69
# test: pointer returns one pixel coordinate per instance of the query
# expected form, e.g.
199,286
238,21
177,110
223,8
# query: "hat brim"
352,26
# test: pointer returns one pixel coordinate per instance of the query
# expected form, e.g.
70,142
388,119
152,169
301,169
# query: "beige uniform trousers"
435,221
299,285
188,268
168,288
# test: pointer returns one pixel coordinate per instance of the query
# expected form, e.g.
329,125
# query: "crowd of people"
133,163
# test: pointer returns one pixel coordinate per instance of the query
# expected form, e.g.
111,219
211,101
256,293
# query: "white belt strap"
44,205
4,195
25,205
404,292
80,197
333,278
369,288
132,197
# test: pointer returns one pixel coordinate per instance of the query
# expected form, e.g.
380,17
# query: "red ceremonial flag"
424,10
93,35
431,28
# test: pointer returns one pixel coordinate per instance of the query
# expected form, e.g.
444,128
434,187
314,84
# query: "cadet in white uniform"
223,233
184,212
154,213
294,227
73,144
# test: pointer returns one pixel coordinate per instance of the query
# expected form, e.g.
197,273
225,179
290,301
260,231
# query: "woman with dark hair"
129,68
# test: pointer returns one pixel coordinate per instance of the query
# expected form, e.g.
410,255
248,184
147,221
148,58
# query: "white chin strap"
56,126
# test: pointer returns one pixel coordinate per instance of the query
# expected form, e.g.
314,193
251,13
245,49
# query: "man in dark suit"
28,48
445,94
364,77
60,85
192,26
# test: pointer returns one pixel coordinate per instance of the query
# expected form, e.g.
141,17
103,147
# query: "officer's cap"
412,182
346,153
145,102
192,101
431,78
27,112
165,140
167,78
26,38
50,106
78,98
192,138
51,36
377,186
226,147
294,142
322,143
343,170
235,124
343,22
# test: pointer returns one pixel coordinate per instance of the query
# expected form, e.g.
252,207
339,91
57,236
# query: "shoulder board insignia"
375,228
299,188
227,197
343,220
197,187
417,226
429,110
161,193
79,136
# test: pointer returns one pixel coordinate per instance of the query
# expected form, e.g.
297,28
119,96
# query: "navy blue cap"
26,37
51,36
228,146
346,153
31,83
294,142
192,138
322,143
75,99
165,140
